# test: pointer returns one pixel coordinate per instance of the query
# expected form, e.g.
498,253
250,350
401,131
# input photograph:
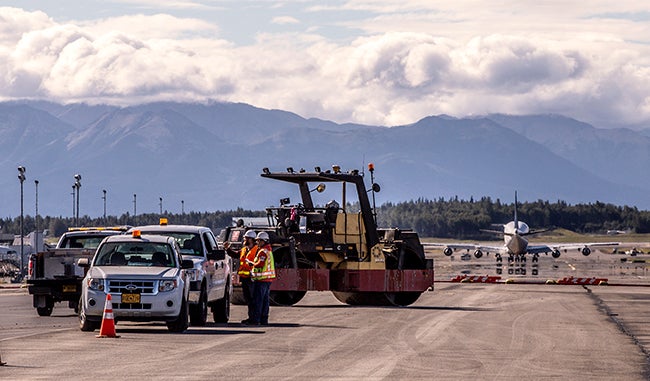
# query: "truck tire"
182,322
47,310
199,311
221,309
85,324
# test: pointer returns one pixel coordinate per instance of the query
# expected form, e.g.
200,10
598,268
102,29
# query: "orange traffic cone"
108,324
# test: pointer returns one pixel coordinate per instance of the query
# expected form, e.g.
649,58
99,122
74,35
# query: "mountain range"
207,157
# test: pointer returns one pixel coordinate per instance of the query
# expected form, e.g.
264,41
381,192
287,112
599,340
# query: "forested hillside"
453,218
462,219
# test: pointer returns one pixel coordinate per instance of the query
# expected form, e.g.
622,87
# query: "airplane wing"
449,248
584,248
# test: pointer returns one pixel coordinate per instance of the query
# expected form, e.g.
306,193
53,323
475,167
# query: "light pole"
73,202
36,217
135,220
161,205
104,198
77,184
182,207
21,177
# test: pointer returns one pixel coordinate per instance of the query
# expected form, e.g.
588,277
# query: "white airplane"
516,245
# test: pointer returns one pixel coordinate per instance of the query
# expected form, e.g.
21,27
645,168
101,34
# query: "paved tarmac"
458,331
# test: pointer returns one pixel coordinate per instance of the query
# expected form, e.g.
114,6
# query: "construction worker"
262,274
246,255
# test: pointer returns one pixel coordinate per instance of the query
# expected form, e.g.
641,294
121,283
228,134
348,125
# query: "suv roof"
145,237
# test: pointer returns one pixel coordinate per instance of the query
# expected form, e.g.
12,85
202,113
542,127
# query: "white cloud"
415,60
283,20
158,26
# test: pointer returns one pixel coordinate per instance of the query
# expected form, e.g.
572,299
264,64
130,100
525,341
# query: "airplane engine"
585,251
478,253
556,253
448,251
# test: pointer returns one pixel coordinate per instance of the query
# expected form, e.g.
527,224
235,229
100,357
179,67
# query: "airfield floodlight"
290,169
73,200
36,215
317,169
266,170
104,198
336,168
77,186
21,177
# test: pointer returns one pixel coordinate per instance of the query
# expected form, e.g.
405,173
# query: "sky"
380,62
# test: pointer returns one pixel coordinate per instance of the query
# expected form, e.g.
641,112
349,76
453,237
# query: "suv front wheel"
85,324
181,323
199,311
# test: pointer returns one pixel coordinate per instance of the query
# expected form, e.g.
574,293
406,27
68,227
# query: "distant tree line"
462,219
453,218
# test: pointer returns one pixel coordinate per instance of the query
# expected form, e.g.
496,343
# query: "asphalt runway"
617,268
457,331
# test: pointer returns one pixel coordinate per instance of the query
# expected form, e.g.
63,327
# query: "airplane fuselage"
513,239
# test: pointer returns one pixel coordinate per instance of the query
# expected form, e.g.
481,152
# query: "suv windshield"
190,243
135,254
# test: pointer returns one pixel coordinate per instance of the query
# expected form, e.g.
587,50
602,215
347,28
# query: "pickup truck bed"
57,278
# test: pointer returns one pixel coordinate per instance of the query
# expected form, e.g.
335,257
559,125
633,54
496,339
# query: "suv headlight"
192,275
167,285
96,284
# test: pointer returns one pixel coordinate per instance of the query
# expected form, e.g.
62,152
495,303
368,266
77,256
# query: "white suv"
210,279
146,279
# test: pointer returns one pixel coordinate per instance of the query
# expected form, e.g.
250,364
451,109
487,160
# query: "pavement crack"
604,308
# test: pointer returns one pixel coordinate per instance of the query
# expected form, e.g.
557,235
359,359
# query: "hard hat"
263,236
250,234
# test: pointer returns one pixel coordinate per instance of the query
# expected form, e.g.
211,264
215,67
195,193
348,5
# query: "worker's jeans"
261,291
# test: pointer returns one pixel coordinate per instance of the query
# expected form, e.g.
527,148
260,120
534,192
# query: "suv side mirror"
187,264
83,262
217,255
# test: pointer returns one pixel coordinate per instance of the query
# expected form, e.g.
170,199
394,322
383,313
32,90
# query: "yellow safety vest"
266,273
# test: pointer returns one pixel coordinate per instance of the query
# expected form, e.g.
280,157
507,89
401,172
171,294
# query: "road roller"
335,245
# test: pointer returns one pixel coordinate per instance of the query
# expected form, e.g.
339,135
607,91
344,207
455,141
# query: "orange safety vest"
263,265
244,270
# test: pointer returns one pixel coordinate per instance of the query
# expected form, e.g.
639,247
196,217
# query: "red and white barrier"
476,279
